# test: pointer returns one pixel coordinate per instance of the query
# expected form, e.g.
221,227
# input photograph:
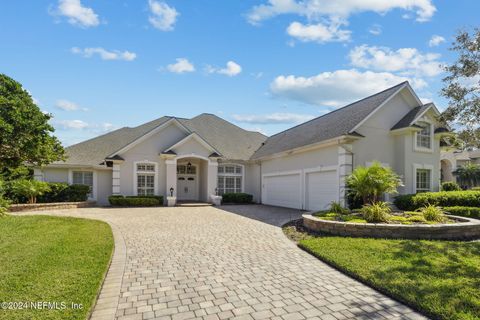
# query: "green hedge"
237,198
470,212
450,186
404,202
135,201
442,199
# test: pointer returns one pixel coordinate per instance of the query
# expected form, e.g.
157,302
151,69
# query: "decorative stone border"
466,229
50,206
107,300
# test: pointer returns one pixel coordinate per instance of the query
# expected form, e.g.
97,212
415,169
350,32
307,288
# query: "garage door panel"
321,189
283,191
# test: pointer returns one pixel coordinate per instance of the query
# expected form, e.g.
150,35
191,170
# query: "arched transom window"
230,178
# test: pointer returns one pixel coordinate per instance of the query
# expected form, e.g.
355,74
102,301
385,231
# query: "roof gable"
192,136
337,123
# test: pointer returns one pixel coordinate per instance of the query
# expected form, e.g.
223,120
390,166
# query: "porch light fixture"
171,192
216,191
189,166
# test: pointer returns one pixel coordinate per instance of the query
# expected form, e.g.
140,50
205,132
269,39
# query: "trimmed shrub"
450,186
447,199
336,207
404,202
56,193
237,198
76,192
469,212
135,201
377,212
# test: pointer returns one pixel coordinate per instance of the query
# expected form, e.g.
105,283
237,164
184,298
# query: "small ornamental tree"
25,134
30,189
370,183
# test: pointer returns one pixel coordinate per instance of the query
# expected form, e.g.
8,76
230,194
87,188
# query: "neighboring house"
303,167
452,160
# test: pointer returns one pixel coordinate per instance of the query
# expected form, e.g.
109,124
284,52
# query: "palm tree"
370,183
468,174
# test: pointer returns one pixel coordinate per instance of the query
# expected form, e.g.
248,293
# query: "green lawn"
441,278
52,259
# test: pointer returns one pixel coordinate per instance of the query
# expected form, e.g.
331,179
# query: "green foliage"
237,198
4,203
376,212
25,134
30,189
353,201
370,183
450,186
135,201
432,213
75,193
468,175
447,199
470,212
336,207
404,202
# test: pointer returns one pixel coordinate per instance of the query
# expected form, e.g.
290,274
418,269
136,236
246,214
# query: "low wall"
50,206
465,229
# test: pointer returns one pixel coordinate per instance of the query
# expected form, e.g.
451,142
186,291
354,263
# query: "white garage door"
321,189
283,191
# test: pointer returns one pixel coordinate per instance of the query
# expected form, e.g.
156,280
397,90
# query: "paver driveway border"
107,301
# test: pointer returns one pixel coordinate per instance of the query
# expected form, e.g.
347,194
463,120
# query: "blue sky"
264,65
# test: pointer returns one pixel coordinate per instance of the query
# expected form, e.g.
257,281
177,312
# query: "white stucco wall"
253,181
55,174
149,150
104,186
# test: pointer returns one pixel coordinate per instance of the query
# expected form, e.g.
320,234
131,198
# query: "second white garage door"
321,189
283,190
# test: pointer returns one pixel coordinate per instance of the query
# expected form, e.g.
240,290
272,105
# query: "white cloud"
407,61
82,125
67,105
105,54
232,69
273,118
163,17
336,88
375,29
71,124
436,40
315,9
76,13
181,66
318,32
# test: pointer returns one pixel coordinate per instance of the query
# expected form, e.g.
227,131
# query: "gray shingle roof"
230,140
407,120
331,125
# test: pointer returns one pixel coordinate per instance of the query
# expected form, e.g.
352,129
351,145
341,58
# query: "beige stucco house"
303,167
451,160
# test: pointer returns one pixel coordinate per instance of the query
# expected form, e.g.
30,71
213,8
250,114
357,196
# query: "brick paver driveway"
228,263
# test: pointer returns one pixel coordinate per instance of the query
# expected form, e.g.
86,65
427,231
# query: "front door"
187,187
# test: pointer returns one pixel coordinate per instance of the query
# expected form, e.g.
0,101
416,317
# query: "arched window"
230,178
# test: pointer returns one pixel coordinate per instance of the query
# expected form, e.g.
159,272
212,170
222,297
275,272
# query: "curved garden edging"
467,229
50,206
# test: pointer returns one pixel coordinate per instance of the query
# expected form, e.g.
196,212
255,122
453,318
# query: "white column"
171,173
212,177
345,167
116,178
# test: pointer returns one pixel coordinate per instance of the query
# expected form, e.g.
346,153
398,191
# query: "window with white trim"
145,179
424,137
230,178
423,180
83,177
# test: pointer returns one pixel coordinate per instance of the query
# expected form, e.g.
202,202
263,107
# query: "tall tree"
462,87
25,134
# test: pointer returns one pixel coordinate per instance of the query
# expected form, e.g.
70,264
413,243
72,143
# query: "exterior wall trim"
421,166
233,164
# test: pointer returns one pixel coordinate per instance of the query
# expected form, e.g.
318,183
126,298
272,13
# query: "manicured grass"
52,259
440,278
